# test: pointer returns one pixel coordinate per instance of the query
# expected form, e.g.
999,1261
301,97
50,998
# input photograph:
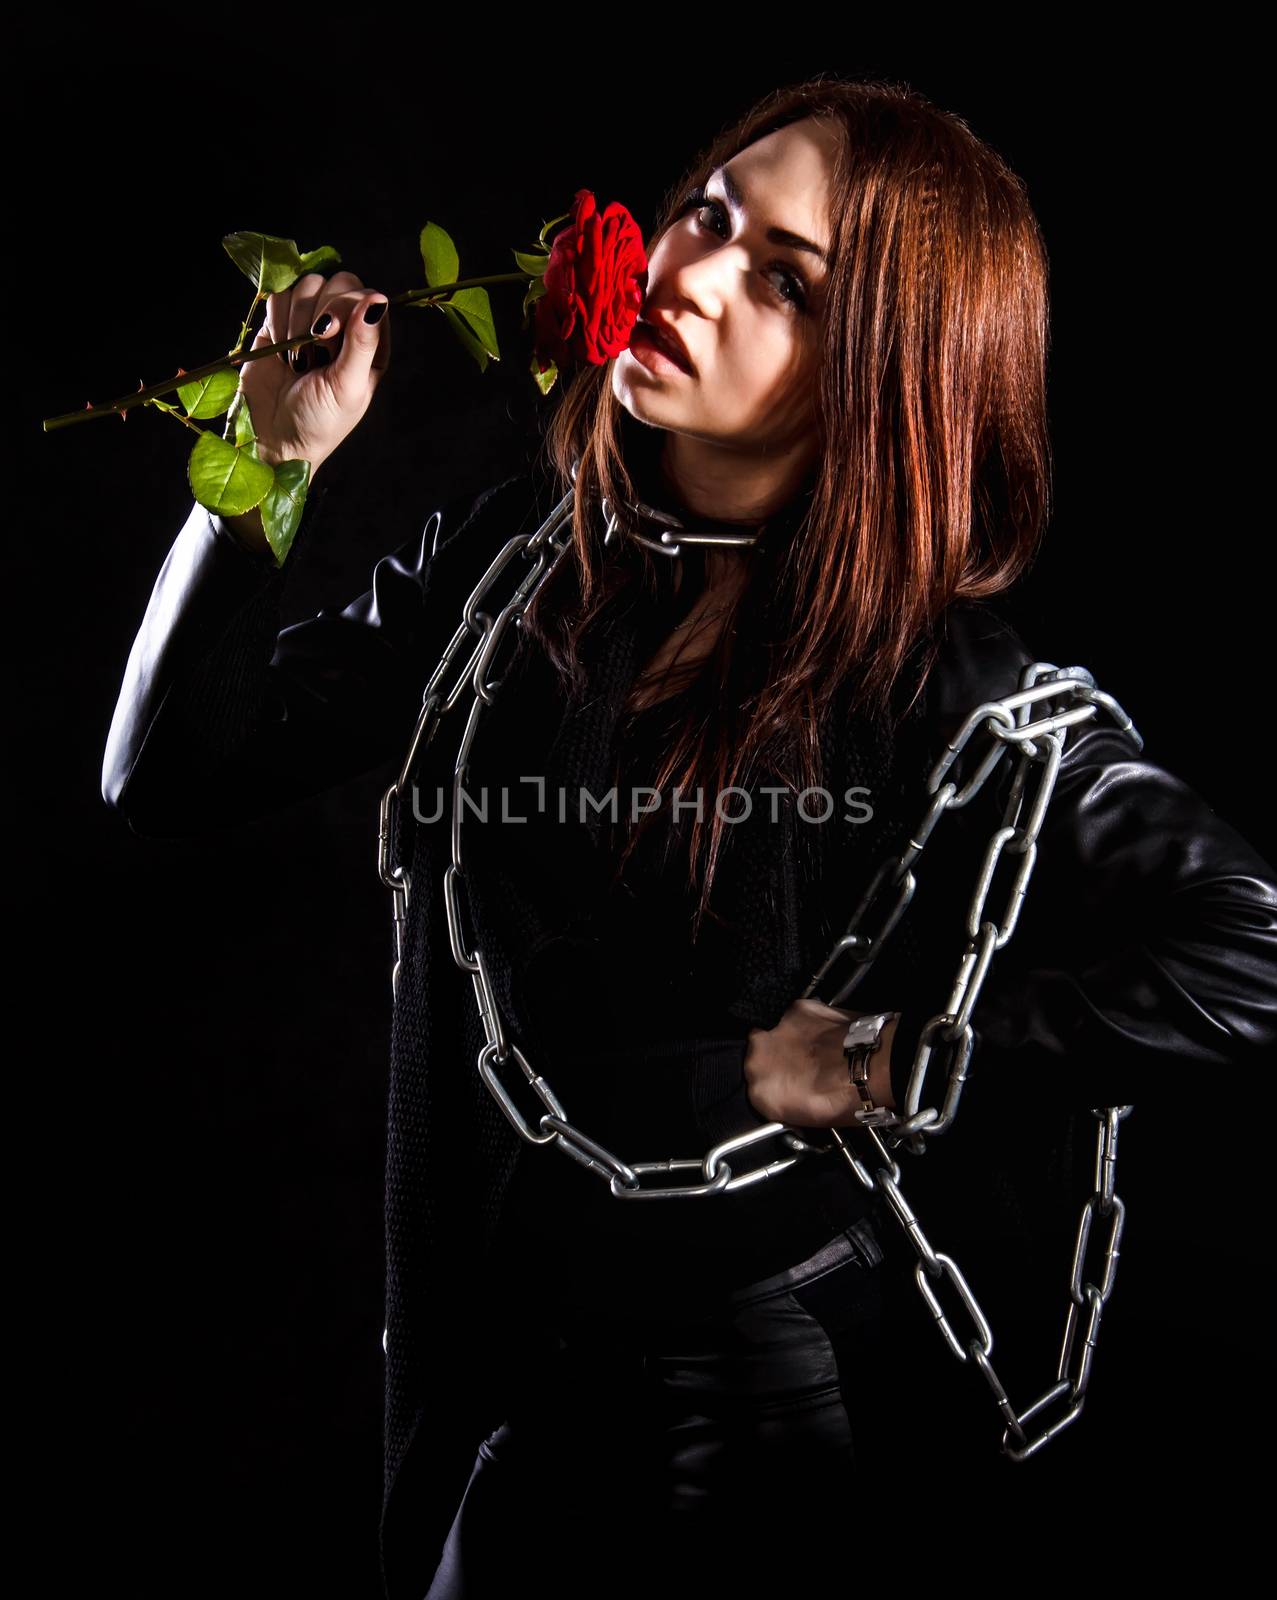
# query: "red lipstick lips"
664,335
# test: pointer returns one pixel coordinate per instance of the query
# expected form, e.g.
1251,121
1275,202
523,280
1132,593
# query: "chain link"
1006,723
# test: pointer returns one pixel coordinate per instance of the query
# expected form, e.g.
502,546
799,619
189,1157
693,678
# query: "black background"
199,1117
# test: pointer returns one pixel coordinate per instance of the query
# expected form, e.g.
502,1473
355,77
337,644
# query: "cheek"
768,367
660,258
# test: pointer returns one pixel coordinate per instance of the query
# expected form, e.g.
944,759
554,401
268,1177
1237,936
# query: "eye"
700,202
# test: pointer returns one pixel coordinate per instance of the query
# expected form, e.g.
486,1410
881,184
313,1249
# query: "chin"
647,402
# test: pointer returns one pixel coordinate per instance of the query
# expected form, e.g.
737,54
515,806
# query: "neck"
729,494
715,485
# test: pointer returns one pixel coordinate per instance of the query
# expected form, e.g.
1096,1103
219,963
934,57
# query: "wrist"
867,1050
247,531
880,1086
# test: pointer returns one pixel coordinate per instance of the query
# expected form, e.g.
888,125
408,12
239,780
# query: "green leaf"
210,396
282,508
532,264
314,259
553,223
245,433
544,380
439,255
272,264
462,329
475,310
225,478
536,288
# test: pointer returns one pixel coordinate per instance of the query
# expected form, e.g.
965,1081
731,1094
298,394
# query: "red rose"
595,280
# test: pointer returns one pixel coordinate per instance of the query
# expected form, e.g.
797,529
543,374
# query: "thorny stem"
245,327
238,356
176,411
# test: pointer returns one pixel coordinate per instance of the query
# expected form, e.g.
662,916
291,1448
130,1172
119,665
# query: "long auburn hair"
934,480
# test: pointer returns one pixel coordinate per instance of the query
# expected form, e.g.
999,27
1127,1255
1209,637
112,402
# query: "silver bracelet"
862,1038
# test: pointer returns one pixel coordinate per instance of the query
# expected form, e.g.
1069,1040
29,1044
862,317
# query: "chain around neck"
673,533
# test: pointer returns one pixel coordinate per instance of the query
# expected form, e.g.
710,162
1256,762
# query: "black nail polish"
321,324
301,360
322,358
374,313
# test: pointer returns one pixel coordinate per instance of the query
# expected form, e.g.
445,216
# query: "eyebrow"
795,241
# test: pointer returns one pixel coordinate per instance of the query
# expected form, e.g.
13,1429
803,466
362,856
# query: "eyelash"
697,200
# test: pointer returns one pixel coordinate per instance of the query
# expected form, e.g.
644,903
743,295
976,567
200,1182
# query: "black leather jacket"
1150,928
1145,960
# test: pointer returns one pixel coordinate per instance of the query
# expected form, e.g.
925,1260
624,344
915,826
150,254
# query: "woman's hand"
305,402
796,1072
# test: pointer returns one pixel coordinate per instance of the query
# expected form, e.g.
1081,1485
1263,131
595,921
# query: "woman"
851,416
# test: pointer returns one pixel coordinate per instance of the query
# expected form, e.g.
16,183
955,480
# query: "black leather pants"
672,1448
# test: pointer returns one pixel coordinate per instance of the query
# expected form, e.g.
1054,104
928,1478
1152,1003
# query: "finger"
341,283
301,313
261,377
360,346
332,312
340,309
341,290
381,360
264,336
332,306
275,322
823,1012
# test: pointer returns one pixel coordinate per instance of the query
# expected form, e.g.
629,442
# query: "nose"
703,280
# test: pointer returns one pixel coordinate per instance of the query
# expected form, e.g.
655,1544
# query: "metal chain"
1006,722
1041,745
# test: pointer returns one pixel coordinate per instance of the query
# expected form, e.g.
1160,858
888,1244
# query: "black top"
657,1023
642,924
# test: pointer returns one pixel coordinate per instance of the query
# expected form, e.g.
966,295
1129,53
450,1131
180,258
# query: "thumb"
353,370
267,376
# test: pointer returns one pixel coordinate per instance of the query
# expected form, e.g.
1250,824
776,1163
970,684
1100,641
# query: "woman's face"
746,303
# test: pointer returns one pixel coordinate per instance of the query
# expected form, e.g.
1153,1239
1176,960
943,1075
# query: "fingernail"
321,323
374,313
301,360
322,358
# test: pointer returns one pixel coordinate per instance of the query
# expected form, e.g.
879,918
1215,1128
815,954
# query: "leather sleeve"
223,716
1145,955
